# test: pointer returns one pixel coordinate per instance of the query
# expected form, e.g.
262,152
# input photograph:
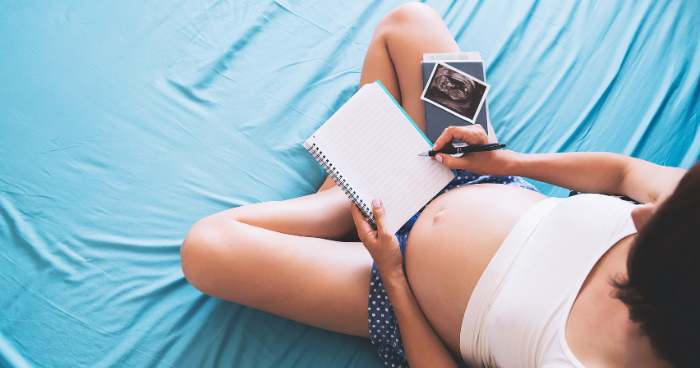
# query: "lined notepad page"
373,144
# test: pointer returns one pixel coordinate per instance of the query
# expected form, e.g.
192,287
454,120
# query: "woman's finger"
470,134
475,134
378,213
451,161
445,137
363,227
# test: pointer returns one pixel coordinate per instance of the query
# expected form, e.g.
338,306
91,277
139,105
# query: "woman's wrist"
393,279
516,162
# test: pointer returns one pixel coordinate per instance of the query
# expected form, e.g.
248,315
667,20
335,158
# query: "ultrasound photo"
455,91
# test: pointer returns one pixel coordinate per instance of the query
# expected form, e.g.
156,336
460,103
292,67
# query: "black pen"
452,149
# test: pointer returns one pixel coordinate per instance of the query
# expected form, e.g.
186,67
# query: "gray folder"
437,119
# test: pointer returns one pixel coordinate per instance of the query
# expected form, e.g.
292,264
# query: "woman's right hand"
498,162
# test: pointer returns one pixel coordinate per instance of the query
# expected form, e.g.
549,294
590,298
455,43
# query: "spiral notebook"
370,148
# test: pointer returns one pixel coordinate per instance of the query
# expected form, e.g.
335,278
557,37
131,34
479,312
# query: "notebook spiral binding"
318,155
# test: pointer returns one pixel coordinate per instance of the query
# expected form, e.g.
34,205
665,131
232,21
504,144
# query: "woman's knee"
413,14
201,247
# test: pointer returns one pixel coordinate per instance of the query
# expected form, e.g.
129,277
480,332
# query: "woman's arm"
596,172
592,172
423,347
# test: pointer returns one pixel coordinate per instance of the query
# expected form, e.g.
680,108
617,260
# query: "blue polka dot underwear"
383,327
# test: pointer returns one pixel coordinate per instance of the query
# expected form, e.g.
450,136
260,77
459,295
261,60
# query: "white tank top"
517,313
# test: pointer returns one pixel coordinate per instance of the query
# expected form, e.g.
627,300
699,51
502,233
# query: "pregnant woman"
491,271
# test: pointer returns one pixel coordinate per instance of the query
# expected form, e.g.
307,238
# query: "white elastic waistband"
473,343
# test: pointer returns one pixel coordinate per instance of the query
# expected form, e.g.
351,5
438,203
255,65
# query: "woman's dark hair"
662,288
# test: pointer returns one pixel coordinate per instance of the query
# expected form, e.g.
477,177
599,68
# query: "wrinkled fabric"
124,122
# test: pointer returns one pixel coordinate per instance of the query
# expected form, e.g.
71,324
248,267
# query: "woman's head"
662,288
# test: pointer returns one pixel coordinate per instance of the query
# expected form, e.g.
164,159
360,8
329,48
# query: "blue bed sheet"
121,123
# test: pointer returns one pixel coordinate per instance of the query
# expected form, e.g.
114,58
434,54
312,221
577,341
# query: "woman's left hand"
381,244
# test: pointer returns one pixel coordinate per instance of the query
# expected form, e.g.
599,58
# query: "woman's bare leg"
270,256
319,282
395,53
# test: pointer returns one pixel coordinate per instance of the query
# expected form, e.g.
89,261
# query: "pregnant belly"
452,243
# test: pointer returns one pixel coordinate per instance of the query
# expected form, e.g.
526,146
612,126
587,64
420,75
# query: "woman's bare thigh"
319,282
